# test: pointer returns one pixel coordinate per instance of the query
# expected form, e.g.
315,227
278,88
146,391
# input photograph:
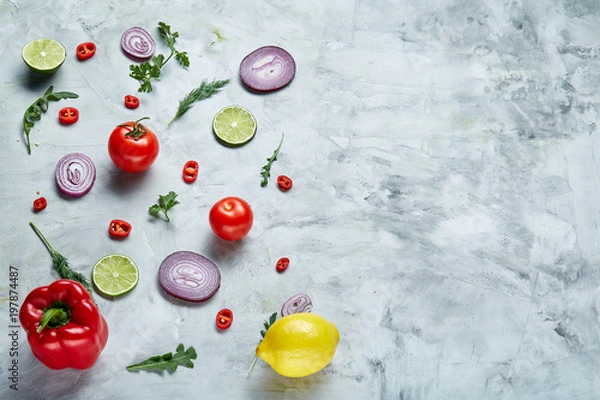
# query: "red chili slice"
68,115
132,102
224,318
190,171
284,183
119,228
86,50
39,204
282,264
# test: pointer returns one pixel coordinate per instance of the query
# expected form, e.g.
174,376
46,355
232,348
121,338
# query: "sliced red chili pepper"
132,102
68,115
119,228
282,264
86,50
39,204
284,183
190,171
224,318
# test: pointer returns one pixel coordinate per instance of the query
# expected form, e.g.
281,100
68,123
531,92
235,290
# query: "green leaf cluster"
151,70
165,203
34,112
168,361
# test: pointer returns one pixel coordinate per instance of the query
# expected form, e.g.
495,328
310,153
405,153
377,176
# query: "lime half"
234,125
44,56
115,274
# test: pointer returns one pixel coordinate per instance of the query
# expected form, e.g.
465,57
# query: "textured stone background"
444,216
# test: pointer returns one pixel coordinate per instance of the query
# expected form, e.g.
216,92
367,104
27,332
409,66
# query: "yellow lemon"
299,344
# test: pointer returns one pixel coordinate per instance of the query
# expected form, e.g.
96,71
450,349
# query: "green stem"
43,238
55,316
252,366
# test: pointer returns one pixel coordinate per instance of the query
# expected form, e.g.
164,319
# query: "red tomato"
133,147
231,218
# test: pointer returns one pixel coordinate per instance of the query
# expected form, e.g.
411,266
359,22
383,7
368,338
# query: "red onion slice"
298,303
75,174
137,43
189,276
267,68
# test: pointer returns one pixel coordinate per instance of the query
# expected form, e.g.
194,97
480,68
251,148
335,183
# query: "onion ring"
75,174
267,68
137,43
189,276
298,303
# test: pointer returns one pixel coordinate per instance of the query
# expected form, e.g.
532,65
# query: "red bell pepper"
64,326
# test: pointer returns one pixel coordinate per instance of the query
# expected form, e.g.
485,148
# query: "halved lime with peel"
234,125
44,56
115,274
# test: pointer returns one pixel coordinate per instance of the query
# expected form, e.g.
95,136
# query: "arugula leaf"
266,170
167,361
204,91
34,112
150,70
267,325
165,203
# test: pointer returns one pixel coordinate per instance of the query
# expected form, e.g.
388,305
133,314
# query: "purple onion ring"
267,68
75,174
137,43
189,276
298,303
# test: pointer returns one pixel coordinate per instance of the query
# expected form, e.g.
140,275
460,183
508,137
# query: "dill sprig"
204,91
60,263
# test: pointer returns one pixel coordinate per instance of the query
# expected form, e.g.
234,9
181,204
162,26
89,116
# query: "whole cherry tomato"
231,218
132,146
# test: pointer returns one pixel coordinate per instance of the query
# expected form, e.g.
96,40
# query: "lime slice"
115,274
234,125
44,56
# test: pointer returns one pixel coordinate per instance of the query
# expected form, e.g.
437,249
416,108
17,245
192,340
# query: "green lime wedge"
114,275
234,125
44,56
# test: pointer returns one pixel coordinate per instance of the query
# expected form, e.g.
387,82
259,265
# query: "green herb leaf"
60,263
150,70
267,324
204,91
167,361
266,170
34,112
165,203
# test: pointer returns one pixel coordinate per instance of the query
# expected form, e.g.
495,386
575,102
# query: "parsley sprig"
165,203
149,70
168,361
34,112
204,91
266,170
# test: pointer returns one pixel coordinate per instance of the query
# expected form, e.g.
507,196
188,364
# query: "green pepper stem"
55,316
